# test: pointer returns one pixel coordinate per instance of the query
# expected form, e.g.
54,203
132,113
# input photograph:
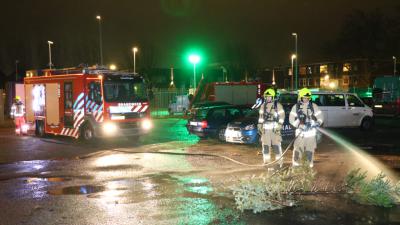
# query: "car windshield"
252,113
124,89
200,114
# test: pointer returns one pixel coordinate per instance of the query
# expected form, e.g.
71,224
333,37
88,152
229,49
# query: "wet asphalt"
151,180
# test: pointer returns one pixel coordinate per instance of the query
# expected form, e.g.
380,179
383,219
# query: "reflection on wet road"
122,184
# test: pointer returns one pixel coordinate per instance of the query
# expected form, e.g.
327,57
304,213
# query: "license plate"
232,133
193,123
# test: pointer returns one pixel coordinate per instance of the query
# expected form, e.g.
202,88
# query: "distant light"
294,34
50,42
113,67
326,77
332,85
194,59
147,124
294,56
135,49
98,17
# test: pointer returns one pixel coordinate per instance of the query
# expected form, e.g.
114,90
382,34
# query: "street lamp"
295,47
394,66
50,63
113,67
100,39
294,56
194,59
135,49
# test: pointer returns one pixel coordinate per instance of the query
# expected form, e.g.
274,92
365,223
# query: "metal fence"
160,98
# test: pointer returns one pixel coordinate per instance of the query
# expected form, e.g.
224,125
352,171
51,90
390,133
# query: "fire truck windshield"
124,89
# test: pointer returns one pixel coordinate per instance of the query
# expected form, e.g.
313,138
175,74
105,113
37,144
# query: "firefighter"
271,118
305,117
17,113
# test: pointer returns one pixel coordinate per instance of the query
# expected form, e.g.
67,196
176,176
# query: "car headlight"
109,128
250,127
147,124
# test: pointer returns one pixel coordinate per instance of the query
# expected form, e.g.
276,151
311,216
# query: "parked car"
179,105
340,109
206,104
212,121
244,130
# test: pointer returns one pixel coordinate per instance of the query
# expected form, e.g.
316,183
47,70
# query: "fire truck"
237,93
86,102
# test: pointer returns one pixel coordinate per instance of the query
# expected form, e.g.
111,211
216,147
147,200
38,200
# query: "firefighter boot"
278,154
266,154
296,157
310,158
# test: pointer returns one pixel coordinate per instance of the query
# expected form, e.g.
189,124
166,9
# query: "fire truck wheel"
39,131
87,133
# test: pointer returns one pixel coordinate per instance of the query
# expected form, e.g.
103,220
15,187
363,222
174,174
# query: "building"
335,75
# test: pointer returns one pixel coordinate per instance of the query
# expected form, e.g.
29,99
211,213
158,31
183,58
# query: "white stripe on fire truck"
80,96
78,120
88,102
80,104
144,108
98,116
77,113
137,108
75,134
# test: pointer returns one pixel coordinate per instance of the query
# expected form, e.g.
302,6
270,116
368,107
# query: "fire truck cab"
86,102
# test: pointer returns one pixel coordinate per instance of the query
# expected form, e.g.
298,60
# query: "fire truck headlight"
147,124
109,128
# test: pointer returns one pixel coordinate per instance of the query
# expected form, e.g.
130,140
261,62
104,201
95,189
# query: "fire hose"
216,155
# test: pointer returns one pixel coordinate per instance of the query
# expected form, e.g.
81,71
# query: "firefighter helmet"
305,92
269,93
17,98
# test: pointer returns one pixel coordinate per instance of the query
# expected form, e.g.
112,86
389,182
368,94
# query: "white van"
341,109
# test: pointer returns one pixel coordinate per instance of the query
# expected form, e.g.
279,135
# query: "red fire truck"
237,93
86,102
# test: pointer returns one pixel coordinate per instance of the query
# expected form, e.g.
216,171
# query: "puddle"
77,190
47,179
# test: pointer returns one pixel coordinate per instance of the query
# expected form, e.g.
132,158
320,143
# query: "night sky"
165,29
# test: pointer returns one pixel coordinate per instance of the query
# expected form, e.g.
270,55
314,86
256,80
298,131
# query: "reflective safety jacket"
17,110
271,114
305,116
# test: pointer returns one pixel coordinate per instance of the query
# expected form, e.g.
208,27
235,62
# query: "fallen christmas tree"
282,188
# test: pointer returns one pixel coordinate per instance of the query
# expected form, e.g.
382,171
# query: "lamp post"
194,59
296,69
293,58
16,70
134,49
98,17
394,66
50,63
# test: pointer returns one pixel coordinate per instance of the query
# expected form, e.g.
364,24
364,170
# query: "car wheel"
39,131
87,133
221,134
366,124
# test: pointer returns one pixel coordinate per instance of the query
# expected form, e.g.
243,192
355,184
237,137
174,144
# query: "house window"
323,69
346,67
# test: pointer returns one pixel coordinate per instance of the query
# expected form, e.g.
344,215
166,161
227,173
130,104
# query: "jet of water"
370,164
